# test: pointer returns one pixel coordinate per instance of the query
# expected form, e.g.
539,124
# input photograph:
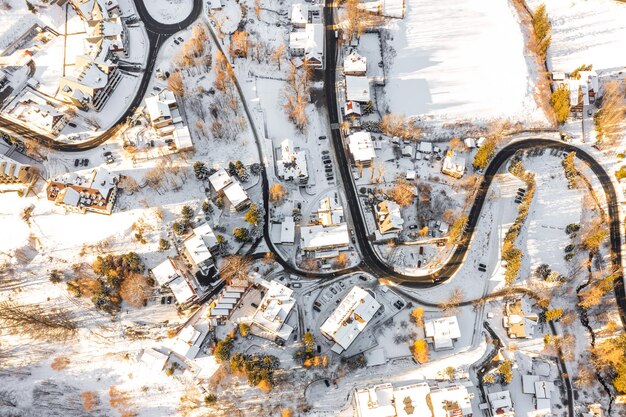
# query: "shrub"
164,245
506,372
554,315
223,348
560,103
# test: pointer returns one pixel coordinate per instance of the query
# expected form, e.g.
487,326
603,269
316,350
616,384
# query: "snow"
453,61
586,32
169,11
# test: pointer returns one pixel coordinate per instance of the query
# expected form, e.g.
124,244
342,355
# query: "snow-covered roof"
274,309
299,14
157,109
393,8
235,194
314,48
357,88
197,250
454,164
181,289
388,217
220,179
320,237
291,163
410,400
165,272
288,230
352,107
182,137
206,233
425,147
449,401
470,142
442,331
154,359
350,317
354,63
329,213
361,146
376,401
501,403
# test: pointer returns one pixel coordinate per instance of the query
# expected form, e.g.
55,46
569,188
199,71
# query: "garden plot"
586,32
453,60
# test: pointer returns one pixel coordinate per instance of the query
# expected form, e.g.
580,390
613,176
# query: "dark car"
317,304
327,383
325,152
330,178
341,284
413,226
362,278
322,137
255,305
72,124
76,162
317,309
85,161
334,291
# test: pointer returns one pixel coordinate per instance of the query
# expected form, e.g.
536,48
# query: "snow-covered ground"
460,61
586,32
169,11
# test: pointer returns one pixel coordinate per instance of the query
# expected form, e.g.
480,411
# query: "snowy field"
586,32
169,11
452,60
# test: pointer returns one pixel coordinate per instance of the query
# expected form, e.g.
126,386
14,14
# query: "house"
90,84
357,89
317,237
237,196
219,180
361,148
407,150
224,184
163,112
501,404
518,325
454,164
153,359
34,110
388,217
354,64
350,318
352,109
270,318
303,13
309,44
190,340
95,192
182,138
470,143
415,400
442,332
12,172
542,390
291,163
425,147
330,213
227,300
411,174
182,285
198,246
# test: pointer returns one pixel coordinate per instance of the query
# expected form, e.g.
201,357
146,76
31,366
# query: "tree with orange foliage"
135,289
90,400
277,192
420,351
175,84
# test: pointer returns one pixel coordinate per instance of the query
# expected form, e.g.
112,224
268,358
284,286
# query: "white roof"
411,174
182,138
500,401
157,109
299,14
361,146
314,48
165,272
442,331
181,289
71,197
376,401
197,249
354,63
426,147
291,164
205,232
220,179
352,107
543,389
470,142
235,193
288,230
154,359
329,213
319,237
357,88
411,401
407,150
189,341
454,163
274,309
350,317
449,401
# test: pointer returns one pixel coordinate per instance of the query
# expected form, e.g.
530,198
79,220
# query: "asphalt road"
157,33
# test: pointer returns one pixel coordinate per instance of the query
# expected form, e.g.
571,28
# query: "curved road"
157,33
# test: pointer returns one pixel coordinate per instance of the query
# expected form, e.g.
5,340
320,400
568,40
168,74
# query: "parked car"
322,137
255,305
362,278
176,42
413,226
317,304
72,124
76,162
334,291
330,178
341,284
315,308
325,152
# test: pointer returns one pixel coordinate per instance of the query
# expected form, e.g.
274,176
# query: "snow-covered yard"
169,11
460,60
586,32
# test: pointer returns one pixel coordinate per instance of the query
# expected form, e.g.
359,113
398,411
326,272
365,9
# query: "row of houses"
385,400
329,232
14,172
96,73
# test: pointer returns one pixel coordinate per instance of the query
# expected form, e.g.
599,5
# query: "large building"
95,74
357,89
330,212
442,332
182,285
354,64
270,317
224,184
349,318
361,148
291,163
454,164
317,237
95,192
416,400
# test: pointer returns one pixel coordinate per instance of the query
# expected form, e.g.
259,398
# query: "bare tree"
37,321
235,267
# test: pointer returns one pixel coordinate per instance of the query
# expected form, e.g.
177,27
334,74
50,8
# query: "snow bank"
169,11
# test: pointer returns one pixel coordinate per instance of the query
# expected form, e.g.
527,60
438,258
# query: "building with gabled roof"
388,217
361,148
183,286
219,180
501,404
354,64
350,318
273,311
198,246
330,212
357,88
96,192
454,164
317,237
309,44
12,172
